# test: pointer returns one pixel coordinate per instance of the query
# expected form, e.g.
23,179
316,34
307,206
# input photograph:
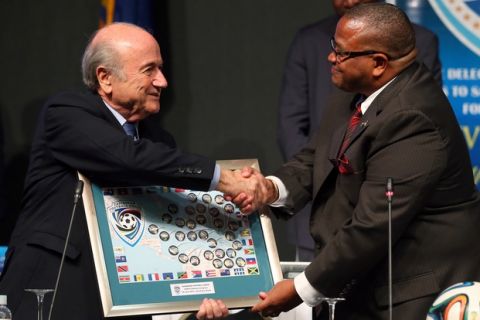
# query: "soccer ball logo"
458,302
128,224
128,220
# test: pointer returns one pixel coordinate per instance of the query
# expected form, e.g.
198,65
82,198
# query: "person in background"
304,93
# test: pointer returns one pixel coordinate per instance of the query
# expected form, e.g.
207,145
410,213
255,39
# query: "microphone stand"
389,194
76,197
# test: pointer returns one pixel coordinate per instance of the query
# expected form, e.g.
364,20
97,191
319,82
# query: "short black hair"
387,25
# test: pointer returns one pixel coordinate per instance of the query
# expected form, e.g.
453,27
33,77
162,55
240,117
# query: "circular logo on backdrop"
462,18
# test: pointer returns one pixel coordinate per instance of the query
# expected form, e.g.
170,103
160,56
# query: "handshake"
247,188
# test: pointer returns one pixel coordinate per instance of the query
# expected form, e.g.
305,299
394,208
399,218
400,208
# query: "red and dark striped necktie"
352,125
343,163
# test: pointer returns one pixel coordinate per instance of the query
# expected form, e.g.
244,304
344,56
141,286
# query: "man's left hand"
282,297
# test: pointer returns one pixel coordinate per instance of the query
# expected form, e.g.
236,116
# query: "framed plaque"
162,250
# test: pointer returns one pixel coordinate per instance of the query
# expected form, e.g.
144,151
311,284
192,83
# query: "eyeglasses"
345,55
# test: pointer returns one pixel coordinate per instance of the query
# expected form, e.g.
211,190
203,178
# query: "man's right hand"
247,188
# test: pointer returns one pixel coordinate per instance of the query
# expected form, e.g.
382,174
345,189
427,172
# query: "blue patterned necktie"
131,130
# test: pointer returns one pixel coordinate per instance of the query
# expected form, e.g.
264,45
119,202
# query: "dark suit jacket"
409,133
76,131
305,89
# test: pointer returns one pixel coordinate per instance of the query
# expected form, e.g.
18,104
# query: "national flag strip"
178,190
249,251
124,279
182,275
153,277
210,273
122,268
119,251
138,277
245,233
224,272
247,242
252,270
239,271
167,276
251,260
165,189
120,259
196,274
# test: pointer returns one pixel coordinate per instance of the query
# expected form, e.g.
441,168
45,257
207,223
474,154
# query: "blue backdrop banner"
457,24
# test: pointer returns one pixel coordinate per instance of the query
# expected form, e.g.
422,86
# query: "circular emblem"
462,18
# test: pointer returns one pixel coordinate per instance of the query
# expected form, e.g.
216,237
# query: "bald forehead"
122,33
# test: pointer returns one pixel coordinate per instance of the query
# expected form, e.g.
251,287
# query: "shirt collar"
368,101
116,114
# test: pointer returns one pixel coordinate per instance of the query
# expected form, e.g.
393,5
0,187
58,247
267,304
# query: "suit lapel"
336,142
336,119
99,104
366,118
373,110
330,136
339,133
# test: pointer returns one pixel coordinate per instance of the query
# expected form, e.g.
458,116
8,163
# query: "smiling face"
135,90
352,74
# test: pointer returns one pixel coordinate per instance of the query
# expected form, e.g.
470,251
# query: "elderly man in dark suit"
100,133
393,120
305,88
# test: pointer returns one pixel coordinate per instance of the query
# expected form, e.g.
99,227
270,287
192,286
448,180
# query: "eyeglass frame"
341,56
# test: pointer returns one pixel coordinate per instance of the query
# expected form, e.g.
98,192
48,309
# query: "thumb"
247,172
262,295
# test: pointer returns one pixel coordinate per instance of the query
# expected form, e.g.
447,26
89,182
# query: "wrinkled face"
137,91
340,6
352,74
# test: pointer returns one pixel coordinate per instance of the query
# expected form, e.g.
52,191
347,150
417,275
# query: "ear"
380,61
104,78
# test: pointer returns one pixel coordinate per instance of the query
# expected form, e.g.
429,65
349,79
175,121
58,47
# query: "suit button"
198,170
181,170
188,170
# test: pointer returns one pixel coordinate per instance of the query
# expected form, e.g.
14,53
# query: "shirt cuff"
216,178
307,293
282,192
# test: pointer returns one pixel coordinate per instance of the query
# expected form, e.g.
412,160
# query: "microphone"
78,192
389,194
389,187
77,195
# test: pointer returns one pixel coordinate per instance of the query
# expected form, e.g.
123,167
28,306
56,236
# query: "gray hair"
100,53
388,27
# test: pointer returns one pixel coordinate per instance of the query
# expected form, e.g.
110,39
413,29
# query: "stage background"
458,29
223,60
